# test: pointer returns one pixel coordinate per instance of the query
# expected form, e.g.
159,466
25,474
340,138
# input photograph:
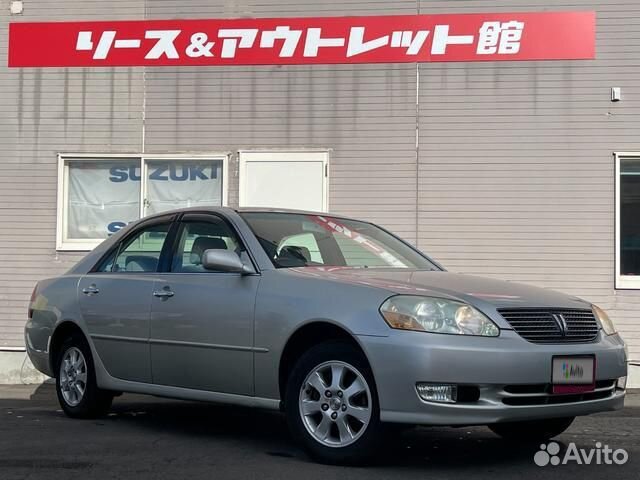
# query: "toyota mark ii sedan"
345,327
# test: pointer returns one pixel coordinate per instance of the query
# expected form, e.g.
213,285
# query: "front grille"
543,325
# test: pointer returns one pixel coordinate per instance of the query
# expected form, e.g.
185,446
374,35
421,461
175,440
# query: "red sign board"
286,41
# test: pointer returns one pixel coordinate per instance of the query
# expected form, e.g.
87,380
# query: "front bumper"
494,365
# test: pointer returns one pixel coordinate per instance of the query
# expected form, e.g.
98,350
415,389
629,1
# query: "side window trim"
114,259
166,254
171,219
112,255
177,229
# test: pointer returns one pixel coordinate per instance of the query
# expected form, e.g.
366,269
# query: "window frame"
64,243
622,282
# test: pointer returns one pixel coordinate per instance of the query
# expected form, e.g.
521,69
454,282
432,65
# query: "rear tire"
532,430
343,427
76,387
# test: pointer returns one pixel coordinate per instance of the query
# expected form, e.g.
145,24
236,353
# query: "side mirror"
224,261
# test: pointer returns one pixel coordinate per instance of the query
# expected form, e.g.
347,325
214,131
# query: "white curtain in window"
180,184
102,197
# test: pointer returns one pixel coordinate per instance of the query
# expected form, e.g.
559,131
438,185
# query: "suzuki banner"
104,196
288,41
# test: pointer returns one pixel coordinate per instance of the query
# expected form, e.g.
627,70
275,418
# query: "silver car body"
221,336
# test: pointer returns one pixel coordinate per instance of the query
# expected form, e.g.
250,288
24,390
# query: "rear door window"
140,252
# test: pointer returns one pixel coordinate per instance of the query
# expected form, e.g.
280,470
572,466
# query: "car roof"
248,210
288,210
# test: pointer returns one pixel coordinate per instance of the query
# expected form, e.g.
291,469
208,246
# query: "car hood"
481,292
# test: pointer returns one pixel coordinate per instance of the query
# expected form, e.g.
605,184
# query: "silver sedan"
345,327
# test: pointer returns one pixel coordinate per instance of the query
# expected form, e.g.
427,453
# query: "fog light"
621,384
430,392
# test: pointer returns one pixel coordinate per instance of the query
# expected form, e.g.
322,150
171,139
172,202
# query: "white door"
295,180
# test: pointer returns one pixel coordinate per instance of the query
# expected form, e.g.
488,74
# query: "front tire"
76,387
533,430
331,404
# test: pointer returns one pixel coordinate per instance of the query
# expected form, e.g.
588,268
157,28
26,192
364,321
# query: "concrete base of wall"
17,369
633,379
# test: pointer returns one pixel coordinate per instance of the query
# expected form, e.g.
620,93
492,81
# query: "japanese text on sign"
416,38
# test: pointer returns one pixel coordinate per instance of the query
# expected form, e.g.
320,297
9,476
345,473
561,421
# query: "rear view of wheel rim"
73,376
335,404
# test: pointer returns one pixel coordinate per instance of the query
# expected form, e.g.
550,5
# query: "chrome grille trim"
538,325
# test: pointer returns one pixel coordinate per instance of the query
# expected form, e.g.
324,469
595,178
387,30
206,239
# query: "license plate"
573,374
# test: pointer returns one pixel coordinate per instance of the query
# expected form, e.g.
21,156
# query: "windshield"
299,240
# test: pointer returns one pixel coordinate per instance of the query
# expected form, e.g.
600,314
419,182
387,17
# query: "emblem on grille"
561,322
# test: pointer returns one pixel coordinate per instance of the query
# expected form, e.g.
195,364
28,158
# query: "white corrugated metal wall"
512,178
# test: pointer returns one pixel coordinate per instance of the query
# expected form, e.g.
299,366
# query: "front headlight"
605,322
436,315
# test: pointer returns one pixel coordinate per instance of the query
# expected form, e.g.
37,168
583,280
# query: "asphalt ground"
152,438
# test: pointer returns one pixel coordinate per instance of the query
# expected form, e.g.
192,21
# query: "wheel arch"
61,332
305,337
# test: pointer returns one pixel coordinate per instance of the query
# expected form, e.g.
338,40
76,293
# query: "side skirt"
189,394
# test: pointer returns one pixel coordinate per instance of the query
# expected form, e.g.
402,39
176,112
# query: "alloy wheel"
73,376
335,404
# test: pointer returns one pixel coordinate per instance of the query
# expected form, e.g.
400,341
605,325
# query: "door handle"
163,293
91,290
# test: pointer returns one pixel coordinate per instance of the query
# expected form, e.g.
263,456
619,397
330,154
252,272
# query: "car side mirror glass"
224,261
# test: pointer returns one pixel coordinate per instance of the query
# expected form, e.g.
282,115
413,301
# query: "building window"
100,194
628,220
